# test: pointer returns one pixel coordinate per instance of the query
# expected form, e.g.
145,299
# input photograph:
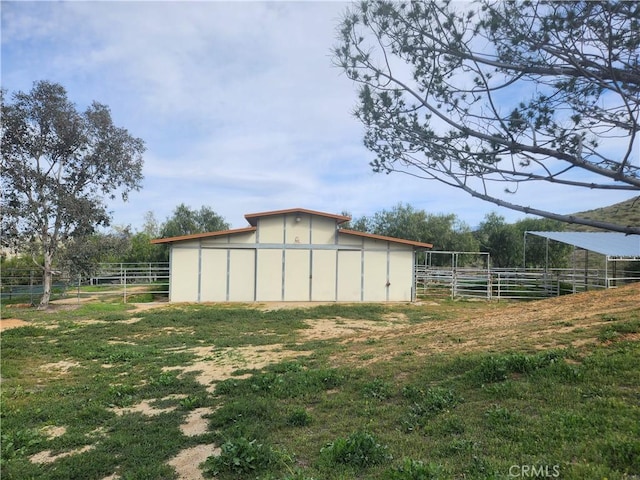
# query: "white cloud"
238,103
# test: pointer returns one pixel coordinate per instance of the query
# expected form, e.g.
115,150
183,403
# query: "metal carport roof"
611,244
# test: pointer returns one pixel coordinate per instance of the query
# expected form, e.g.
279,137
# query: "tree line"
482,97
502,240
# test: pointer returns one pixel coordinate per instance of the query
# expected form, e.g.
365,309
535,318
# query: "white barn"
291,255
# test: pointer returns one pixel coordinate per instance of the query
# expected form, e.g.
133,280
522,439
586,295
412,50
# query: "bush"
378,389
360,449
416,470
241,456
497,368
299,418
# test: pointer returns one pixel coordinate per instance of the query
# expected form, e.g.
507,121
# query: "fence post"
124,272
31,286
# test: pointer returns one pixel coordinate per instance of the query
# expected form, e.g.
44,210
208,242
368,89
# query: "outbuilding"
295,255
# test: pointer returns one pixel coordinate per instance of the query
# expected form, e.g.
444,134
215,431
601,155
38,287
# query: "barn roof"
252,218
388,239
612,244
197,236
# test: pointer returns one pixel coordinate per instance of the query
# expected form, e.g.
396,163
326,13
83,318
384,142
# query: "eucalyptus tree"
489,95
187,221
59,167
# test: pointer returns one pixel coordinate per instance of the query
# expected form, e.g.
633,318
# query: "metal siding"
184,275
296,275
271,230
241,277
324,231
323,276
246,237
269,276
298,232
313,264
349,276
214,275
375,276
349,240
400,275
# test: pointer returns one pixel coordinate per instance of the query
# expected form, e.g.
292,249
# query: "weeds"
455,414
360,449
243,457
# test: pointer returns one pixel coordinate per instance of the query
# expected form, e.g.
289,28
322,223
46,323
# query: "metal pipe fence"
515,284
130,281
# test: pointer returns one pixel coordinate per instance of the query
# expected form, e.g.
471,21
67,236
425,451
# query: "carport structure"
613,246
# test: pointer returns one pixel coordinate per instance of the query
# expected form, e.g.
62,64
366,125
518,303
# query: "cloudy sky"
238,103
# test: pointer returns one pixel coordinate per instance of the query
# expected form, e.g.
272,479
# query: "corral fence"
515,284
130,281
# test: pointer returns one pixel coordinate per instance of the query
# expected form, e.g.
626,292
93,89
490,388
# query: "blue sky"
238,103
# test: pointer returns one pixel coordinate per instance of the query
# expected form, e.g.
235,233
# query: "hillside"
624,213
437,389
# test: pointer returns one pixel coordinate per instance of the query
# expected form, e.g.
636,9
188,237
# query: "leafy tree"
501,240
490,95
505,242
82,255
444,231
186,221
58,165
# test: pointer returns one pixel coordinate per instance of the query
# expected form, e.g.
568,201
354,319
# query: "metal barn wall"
291,257
184,276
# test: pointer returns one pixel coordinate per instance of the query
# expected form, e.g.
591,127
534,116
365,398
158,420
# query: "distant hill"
623,213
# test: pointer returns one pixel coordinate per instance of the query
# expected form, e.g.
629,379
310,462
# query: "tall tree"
187,221
490,95
444,231
58,165
501,240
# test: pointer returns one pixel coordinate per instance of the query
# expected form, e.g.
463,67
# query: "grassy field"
434,390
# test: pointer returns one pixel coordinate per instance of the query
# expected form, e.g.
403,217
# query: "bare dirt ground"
216,364
7,323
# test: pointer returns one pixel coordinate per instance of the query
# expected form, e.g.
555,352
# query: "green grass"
327,414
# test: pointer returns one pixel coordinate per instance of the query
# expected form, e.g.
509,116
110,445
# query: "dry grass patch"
538,324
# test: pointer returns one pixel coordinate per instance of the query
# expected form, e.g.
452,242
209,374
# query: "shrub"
360,449
496,368
377,389
416,470
299,418
241,456
427,404
192,402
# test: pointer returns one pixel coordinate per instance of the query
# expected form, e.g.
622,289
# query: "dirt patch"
216,364
187,462
146,407
47,457
141,307
342,327
59,367
51,431
195,424
7,323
